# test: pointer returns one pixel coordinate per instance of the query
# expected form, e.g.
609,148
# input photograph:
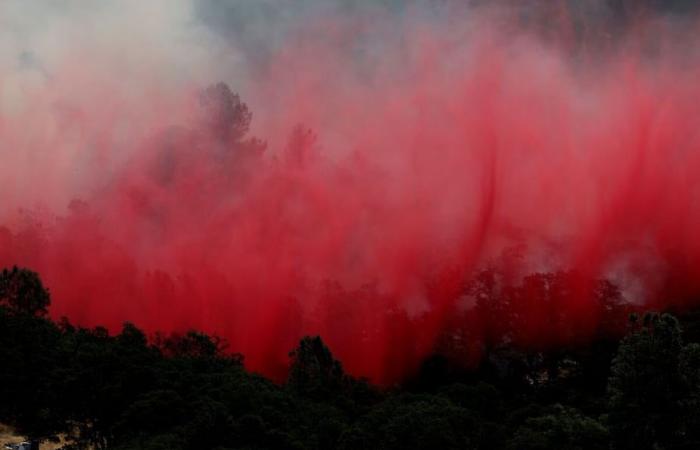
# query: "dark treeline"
185,391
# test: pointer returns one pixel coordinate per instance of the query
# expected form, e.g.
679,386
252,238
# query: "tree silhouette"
647,386
225,115
22,291
314,371
561,428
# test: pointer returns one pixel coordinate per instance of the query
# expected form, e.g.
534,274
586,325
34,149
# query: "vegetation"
125,391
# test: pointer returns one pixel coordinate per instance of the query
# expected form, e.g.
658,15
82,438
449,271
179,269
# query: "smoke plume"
263,171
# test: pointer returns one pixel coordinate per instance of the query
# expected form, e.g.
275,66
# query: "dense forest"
187,391
401,251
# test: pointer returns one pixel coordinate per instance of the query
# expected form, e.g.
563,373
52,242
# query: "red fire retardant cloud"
416,165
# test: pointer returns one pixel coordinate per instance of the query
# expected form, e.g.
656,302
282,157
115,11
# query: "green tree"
562,428
22,291
192,344
689,432
29,382
314,371
407,421
646,387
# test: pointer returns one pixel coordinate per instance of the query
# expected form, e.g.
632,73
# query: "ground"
8,436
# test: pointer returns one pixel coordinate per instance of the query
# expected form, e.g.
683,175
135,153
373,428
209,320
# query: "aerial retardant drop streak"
357,194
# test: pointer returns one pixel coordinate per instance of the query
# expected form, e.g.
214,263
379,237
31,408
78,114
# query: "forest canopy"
126,390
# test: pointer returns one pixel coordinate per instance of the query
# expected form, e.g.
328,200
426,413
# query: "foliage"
21,291
314,371
561,428
653,386
185,391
